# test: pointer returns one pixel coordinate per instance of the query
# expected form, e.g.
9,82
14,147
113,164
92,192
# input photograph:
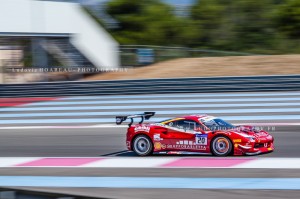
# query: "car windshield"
217,124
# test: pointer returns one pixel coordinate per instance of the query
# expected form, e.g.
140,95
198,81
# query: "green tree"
147,22
207,16
288,18
266,26
234,25
252,24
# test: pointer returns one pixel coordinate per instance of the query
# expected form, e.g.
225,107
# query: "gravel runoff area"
211,66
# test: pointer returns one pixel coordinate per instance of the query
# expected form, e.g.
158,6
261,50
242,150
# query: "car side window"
185,124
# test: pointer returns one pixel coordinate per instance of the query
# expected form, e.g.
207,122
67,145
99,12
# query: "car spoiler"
143,116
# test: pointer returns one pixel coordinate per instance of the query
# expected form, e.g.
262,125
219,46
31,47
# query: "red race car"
194,134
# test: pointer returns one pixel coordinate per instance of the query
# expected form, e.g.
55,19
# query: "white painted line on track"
246,119
126,126
183,95
145,107
169,101
62,127
270,110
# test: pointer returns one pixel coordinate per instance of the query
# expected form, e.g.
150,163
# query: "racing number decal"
201,139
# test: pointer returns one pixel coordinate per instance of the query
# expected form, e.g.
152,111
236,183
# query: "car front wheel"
221,146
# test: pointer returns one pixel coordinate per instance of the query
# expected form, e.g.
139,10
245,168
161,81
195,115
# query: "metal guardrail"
154,86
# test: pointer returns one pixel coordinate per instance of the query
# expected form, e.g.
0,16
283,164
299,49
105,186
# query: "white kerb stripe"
272,163
10,162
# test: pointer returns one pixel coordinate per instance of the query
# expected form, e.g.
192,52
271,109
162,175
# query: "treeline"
256,26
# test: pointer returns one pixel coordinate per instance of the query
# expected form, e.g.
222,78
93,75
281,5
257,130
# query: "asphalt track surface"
276,107
175,193
110,142
95,142
126,193
91,142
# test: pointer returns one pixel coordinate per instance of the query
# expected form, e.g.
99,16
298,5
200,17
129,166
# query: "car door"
184,135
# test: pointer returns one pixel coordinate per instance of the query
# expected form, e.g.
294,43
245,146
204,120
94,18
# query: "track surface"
89,142
110,141
164,193
276,107
177,193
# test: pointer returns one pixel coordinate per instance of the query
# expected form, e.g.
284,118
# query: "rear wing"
143,116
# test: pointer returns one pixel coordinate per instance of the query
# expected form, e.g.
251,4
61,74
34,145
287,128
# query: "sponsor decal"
142,128
189,142
236,145
163,146
156,137
237,140
128,144
185,146
157,145
270,149
201,139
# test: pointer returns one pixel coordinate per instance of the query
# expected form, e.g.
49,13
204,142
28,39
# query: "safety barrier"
154,86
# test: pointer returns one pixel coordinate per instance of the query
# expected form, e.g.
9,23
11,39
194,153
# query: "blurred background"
256,41
249,38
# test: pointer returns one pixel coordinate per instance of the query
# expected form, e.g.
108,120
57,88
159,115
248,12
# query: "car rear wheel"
142,145
221,146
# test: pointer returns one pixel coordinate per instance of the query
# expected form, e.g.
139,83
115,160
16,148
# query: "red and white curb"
151,162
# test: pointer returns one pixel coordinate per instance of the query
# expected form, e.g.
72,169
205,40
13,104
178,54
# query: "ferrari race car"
194,134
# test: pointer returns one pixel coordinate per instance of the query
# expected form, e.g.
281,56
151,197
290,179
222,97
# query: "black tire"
221,146
142,145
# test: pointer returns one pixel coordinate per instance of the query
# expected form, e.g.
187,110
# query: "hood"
250,130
